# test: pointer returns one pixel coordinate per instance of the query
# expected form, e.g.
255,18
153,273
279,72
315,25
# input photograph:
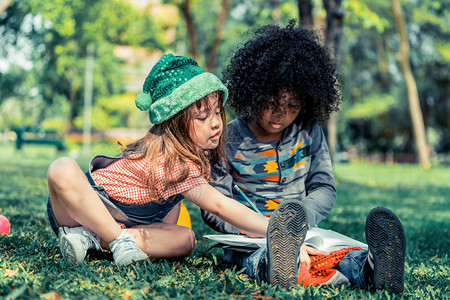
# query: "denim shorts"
129,215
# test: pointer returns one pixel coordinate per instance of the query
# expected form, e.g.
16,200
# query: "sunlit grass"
393,175
31,266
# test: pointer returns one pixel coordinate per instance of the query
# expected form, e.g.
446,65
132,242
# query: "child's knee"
187,242
60,170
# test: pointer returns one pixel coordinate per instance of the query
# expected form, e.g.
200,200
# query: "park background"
69,71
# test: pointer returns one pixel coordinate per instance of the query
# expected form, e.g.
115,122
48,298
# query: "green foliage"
31,266
370,72
61,33
243,16
53,37
371,106
116,111
54,123
21,104
361,13
54,116
428,12
11,114
444,49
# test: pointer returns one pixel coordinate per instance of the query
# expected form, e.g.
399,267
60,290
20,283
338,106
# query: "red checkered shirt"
126,180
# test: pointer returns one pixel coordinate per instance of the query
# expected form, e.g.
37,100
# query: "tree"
305,8
60,32
414,105
373,115
185,8
333,37
333,32
222,15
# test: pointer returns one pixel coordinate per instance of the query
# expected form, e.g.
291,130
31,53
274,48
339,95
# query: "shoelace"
126,243
370,260
87,240
90,241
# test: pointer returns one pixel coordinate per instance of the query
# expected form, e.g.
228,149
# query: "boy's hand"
305,261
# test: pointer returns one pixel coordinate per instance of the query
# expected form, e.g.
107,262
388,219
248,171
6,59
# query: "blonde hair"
171,141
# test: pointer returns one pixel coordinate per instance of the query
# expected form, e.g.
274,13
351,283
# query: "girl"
129,204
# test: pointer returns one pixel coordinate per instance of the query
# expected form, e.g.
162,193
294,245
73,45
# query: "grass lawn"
31,266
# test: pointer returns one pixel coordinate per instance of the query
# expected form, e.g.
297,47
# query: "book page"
321,239
237,240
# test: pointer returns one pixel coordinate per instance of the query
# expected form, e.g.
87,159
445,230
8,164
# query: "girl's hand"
250,235
253,236
229,210
305,261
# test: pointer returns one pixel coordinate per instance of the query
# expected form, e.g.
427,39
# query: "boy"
282,84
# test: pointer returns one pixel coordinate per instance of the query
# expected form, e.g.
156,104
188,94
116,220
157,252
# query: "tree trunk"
413,96
185,8
72,101
333,37
305,8
384,80
223,15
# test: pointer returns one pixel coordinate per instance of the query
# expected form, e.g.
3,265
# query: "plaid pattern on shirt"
126,180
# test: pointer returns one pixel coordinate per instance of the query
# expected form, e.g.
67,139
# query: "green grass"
31,266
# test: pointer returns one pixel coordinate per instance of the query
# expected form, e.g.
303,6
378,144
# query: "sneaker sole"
285,234
69,252
387,244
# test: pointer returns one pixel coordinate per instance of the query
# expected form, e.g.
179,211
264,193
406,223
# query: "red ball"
5,226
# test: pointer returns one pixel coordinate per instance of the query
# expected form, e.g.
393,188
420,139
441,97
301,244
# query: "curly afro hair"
277,60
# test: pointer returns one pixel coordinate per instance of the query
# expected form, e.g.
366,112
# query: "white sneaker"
126,250
75,242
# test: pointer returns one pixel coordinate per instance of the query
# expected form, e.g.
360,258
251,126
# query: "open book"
321,239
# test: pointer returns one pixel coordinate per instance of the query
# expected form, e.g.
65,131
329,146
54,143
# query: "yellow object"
184,219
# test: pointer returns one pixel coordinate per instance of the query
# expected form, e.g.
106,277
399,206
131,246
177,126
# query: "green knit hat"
174,83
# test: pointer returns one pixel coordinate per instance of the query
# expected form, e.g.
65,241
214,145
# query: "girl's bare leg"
162,240
76,203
